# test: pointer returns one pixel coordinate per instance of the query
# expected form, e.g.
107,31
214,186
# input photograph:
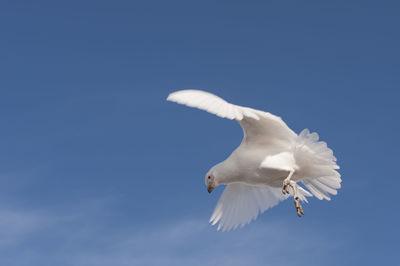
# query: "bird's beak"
210,189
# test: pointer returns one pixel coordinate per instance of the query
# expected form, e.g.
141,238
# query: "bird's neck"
226,172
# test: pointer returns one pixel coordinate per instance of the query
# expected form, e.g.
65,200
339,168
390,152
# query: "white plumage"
269,155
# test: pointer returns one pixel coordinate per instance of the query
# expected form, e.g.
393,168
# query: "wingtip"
174,96
169,97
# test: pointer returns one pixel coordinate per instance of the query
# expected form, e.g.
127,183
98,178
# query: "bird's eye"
209,177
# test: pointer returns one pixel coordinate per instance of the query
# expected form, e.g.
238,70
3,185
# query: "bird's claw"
285,187
288,183
298,206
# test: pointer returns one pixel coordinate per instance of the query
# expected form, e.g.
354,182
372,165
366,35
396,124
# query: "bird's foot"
286,186
298,206
288,183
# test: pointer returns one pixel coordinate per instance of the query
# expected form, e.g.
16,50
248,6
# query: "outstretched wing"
240,204
259,127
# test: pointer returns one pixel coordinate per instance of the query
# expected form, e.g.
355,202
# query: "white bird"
267,166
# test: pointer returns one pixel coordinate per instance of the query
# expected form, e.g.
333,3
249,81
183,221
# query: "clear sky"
96,168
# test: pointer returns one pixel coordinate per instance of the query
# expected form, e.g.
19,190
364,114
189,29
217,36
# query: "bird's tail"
317,165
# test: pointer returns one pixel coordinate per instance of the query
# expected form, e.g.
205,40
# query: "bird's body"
243,165
271,156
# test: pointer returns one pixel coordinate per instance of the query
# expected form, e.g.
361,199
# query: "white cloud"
193,242
81,237
17,225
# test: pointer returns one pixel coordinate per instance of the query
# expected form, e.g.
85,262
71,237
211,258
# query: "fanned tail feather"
317,165
303,194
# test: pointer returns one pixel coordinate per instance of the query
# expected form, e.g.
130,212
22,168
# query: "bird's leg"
287,183
297,204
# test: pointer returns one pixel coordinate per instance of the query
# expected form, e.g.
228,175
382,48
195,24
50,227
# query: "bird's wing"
259,127
240,204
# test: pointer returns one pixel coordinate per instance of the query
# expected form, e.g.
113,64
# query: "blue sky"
96,168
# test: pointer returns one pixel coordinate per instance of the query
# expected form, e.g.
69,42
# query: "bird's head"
220,174
211,180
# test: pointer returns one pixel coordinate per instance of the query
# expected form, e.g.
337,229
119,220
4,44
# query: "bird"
270,164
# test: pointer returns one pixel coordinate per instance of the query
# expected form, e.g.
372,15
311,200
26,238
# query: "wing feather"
257,125
240,204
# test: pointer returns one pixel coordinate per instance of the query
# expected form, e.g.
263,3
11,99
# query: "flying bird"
268,165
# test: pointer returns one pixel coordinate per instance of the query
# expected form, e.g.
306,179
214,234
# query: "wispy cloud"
17,225
80,238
